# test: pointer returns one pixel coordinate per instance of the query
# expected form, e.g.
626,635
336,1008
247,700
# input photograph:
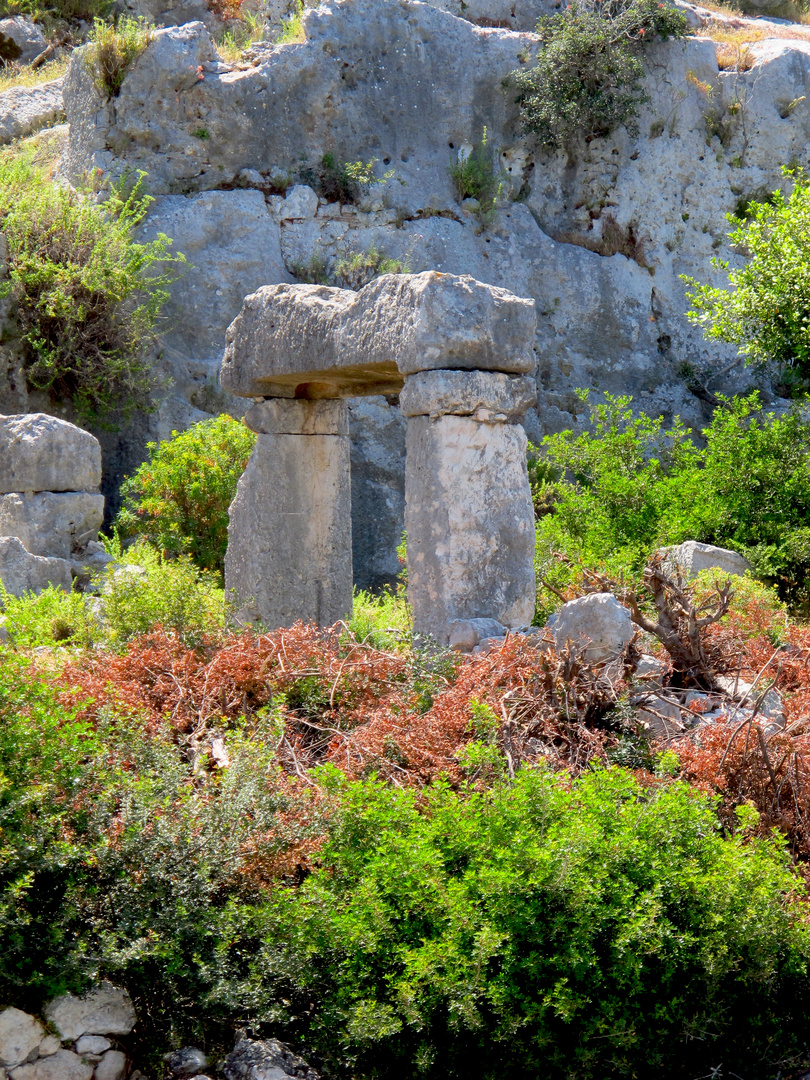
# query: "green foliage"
475,177
152,590
179,498
50,11
87,294
358,268
631,485
112,49
592,929
53,617
343,181
588,79
766,312
292,28
382,620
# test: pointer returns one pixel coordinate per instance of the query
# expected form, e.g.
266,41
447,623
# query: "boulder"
466,634
692,557
186,1062
26,109
300,202
92,1044
113,1066
19,1035
106,1010
63,1065
315,341
20,571
598,621
50,1044
484,394
20,40
53,524
265,1059
43,453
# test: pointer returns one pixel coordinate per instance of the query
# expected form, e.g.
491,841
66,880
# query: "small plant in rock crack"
113,49
475,177
589,76
343,181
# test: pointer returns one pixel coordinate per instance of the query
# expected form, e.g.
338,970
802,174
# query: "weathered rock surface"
26,109
169,12
597,621
465,634
20,571
21,39
49,1045
43,453
289,536
187,1061
469,523
692,557
113,1066
63,1065
283,416
20,1033
315,341
106,1010
54,524
92,1044
265,1059
464,393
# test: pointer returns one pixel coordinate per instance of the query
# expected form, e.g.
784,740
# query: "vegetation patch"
87,295
589,75
113,49
475,177
178,499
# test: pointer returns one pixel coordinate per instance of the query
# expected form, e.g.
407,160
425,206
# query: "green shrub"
87,295
49,11
610,495
766,312
112,50
52,617
342,181
358,268
179,498
292,27
588,79
151,590
475,177
382,620
546,928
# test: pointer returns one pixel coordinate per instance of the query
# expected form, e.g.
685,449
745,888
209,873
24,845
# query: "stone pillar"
469,517
289,537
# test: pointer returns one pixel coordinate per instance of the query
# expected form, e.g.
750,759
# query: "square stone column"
289,537
469,518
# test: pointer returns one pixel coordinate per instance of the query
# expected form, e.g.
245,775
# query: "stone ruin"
50,505
460,355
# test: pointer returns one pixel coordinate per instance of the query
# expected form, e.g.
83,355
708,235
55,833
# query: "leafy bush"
342,181
151,590
179,498
383,621
53,617
47,11
632,485
588,79
112,50
291,31
87,295
766,312
543,929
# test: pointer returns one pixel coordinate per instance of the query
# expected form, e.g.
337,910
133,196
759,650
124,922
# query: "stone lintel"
283,416
484,394
313,341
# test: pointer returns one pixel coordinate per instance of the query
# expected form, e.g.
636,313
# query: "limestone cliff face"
413,85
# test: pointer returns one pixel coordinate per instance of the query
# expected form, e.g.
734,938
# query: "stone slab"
282,416
26,109
597,621
289,539
63,1065
312,341
53,524
470,524
692,557
20,1033
43,453
105,1010
21,572
463,393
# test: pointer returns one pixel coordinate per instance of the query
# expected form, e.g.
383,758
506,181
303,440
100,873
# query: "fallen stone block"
692,557
63,1065
20,40
466,634
53,524
599,622
311,341
106,1010
43,453
113,1066
265,1059
21,572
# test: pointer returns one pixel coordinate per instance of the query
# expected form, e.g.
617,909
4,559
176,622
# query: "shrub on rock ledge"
87,295
588,79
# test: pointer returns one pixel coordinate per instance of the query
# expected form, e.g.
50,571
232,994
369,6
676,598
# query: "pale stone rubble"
26,109
460,352
50,506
